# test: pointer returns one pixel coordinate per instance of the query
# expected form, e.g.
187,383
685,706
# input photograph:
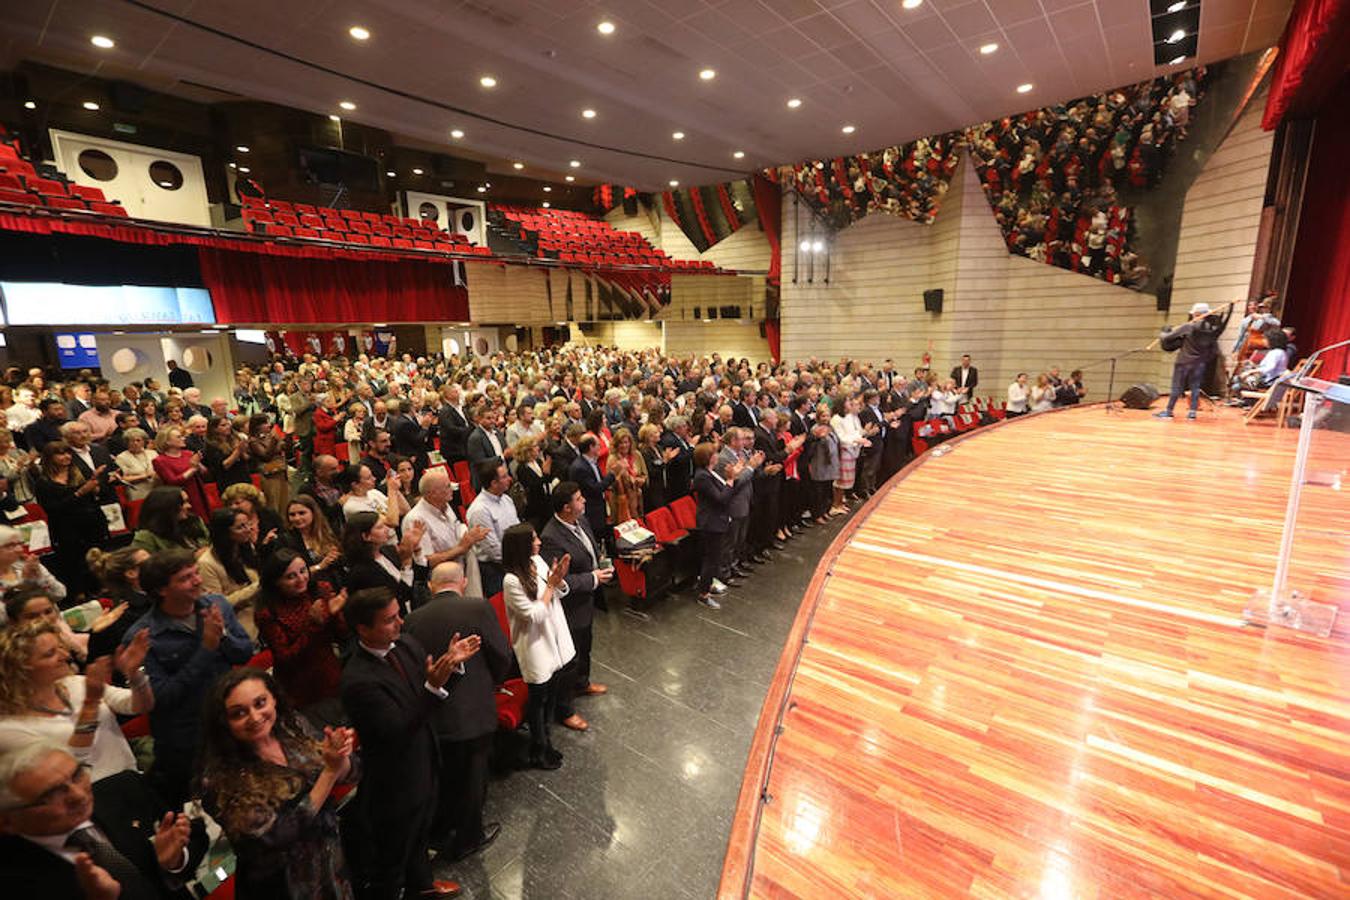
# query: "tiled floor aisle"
642,805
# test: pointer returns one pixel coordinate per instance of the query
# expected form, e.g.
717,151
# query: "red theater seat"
10,182
513,694
65,202
47,186
109,209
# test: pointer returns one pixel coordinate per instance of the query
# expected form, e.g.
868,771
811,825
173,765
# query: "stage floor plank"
1026,674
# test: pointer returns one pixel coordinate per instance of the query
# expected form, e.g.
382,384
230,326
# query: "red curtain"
1317,299
773,333
769,205
251,287
1313,58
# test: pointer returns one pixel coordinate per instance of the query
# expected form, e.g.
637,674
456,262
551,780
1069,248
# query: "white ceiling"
895,74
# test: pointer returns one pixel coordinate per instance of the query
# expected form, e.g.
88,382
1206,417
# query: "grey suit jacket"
555,540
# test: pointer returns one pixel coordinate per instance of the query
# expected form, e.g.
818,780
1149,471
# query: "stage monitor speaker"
1141,396
932,300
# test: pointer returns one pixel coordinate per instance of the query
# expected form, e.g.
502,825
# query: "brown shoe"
444,889
594,688
576,723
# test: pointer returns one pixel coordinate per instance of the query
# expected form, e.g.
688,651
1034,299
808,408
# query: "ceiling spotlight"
817,246
90,105
739,154
348,105
569,178
482,189
546,204
848,129
456,134
986,49
244,169
359,33
101,42
794,103
911,4
391,174
417,171
588,114
605,27
234,165
1024,88
708,74
1176,35
1177,7
335,117
1179,59
488,81
29,104
517,166
547,189
679,135
674,183
576,164
804,246
241,148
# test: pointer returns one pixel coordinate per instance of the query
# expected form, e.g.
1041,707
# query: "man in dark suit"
79,403
89,458
466,722
409,435
585,471
869,460
47,427
179,378
454,426
680,468
744,412
570,532
714,493
390,688
484,442
966,377
773,493
564,452
65,838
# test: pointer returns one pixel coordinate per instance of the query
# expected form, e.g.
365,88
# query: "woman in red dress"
179,468
327,417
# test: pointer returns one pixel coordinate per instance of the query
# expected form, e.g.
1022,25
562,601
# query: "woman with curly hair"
267,777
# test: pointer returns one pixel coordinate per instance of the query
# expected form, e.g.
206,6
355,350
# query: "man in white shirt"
445,538
494,512
525,425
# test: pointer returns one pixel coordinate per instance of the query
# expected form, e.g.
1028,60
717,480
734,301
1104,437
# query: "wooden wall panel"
514,295
746,250
730,338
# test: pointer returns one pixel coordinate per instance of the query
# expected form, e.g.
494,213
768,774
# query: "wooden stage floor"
1022,671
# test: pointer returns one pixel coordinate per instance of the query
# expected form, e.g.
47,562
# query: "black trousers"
464,782
869,467
396,855
577,673
710,557
822,495
541,707
764,514
492,575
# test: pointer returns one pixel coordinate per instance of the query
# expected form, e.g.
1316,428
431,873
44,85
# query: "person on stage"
1199,339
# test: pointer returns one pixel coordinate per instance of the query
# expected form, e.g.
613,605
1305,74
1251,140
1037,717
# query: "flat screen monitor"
55,303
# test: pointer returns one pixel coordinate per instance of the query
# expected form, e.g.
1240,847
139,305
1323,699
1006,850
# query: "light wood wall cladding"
505,295
747,250
730,337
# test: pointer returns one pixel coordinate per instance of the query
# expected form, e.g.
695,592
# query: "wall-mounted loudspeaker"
932,300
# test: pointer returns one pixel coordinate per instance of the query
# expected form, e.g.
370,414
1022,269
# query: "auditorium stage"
1021,671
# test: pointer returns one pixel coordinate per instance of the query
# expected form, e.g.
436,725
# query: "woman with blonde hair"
630,477
176,467
532,473
1042,394
15,465
137,464
352,431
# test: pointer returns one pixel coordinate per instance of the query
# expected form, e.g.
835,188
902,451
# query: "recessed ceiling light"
576,164
241,148
546,204
707,74
794,103
348,105
678,135
482,189
588,114
361,34
674,183
1176,35
1024,88
335,117
848,129
244,169
1177,7
547,189
391,174
569,178
101,42
988,48
234,165
488,81
90,105
911,4
456,134
417,171
1179,59
739,154
605,27
29,104
518,166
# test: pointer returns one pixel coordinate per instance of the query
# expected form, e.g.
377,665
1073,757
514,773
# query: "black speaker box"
932,300
1141,396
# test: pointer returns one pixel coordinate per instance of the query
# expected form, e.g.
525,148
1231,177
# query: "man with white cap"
1197,343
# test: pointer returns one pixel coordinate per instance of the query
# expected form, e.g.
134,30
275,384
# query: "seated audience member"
466,722
229,566
63,837
176,466
168,521
74,519
137,464
391,688
532,590
1018,395
18,566
226,454
41,697
310,536
267,776
119,577
444,537
494,511
194,637
300,620
374,560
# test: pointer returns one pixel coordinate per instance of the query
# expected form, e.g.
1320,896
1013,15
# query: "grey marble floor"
642,805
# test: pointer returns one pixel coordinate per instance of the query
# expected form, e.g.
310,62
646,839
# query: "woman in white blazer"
539,633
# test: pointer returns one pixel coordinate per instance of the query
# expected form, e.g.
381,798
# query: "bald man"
466,722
